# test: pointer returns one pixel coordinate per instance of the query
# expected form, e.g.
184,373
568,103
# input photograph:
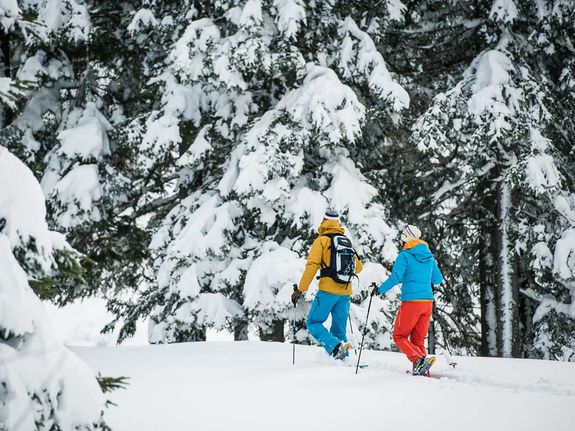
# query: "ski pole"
372,285
352,334
293,328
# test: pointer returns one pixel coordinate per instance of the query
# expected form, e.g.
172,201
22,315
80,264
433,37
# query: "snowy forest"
176,157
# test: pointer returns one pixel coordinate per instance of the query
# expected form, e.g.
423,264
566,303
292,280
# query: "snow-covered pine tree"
552,325
42,384
81,78
270,122
427,43
35,61
501,174
35,50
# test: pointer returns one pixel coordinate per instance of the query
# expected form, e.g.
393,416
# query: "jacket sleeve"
436,275
397,274
312,265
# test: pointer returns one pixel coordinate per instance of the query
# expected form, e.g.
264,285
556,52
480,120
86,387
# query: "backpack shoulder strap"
330,246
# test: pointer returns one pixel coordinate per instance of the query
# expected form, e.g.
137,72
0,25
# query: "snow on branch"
24,219
42,382
143,18
290,15
9,13
504,11
564,257
268,285
359,59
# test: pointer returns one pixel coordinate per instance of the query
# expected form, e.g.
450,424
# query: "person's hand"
375,289
295,295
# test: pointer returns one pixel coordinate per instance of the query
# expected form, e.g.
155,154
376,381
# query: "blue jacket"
417,269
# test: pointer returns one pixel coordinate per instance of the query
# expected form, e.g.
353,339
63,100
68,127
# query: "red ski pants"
411,325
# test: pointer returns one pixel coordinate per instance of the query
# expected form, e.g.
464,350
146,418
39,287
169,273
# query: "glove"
375,290
295,296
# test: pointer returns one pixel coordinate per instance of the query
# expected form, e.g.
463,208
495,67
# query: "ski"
431,376
362,366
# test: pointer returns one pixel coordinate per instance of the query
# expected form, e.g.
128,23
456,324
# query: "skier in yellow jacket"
334,285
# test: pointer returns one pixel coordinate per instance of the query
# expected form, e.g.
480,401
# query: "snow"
88,140
269,281
542,256
306,204
79,324
359,55
251,13
70,16
9,92
564,258
43,100
254,386
39,66
9,12
349,189
80,186
395,9
290,15
142,19
199,147
504,10
566,207
325,103
542,174
72,179
41,381
24,218
190,50
491,74
15,317
212,309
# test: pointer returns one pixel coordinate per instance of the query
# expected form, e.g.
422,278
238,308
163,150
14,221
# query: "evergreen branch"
154,205
109,384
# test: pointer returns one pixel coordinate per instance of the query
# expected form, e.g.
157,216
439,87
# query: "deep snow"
254,386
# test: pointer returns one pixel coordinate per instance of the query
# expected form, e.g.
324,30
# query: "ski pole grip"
295,287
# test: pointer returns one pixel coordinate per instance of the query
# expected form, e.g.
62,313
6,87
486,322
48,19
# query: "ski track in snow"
254,386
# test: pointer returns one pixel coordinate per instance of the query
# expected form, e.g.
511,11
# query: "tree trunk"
274,333
194,335
507,284
241,330
487,280
431,333
6,114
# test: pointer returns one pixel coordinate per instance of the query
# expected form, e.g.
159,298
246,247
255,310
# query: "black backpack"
342,262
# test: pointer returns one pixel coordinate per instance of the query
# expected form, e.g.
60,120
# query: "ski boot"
422,365
341,351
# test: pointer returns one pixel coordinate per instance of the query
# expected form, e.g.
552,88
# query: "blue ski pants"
324,304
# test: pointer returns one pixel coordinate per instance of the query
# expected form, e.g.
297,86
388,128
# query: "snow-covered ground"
80,323
254,386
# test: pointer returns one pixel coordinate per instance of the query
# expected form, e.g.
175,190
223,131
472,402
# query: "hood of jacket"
330,226
418,249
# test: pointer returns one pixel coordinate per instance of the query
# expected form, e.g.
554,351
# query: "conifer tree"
269,120
489,137
76,126
42,384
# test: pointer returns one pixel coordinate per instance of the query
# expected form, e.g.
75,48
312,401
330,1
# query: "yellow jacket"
320,252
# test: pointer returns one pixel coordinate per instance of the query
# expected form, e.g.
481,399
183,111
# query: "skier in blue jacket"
416,268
